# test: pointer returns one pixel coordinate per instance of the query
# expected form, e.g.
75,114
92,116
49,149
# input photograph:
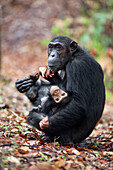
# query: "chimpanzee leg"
34,117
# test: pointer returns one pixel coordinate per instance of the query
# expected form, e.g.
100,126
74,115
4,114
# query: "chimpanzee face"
60,50
56,56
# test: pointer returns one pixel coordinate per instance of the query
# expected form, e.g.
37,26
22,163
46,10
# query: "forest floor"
25,24
21,145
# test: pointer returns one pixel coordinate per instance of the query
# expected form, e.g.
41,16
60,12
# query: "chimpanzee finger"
34,76
41,126
22,80
47,74
45,125
25,89
45,122
42,71
25,85
28,82
51,75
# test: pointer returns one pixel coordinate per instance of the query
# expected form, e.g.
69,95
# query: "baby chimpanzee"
47,99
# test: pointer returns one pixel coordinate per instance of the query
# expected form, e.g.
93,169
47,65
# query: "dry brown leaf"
42,166
13,159
60,163
14,130
76,152
69,151
80,159
24,150
89,167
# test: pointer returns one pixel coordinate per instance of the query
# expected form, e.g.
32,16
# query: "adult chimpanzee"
82,78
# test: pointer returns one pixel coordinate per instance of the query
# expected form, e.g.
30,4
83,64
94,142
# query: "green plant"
63,28
60,27
95,37
109,95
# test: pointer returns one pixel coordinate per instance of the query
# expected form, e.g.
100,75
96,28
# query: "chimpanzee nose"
52,55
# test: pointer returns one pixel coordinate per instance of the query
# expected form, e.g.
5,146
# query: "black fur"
83,80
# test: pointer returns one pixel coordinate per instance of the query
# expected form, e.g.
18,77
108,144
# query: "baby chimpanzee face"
57,94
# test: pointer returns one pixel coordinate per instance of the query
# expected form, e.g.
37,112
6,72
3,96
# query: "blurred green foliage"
109,94
97,37
63,29
60,27
94,36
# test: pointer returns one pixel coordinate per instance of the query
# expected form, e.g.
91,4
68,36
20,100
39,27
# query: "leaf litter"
22,146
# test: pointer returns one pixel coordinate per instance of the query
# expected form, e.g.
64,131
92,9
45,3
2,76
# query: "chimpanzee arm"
66,118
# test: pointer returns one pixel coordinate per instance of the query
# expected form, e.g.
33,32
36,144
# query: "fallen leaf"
13,159
14,130
42,166
76,152
4,106
60,163
24,150
80,159
69,151
81,149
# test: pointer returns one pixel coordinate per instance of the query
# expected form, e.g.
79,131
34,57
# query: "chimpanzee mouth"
53,68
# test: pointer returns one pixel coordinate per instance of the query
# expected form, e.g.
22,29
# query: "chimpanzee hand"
24,84
45,72
44,123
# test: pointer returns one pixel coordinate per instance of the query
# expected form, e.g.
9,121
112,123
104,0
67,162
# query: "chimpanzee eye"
58,47
50,47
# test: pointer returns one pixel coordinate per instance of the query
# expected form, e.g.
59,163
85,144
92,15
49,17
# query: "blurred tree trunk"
0,38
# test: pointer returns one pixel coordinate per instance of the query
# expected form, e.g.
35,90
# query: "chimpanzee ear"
73,47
